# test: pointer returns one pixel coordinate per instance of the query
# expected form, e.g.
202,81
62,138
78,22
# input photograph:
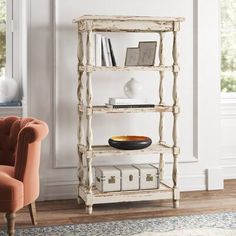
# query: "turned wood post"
161,121
89,108
80,133
175,117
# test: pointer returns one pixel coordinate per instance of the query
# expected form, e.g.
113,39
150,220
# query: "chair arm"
33,131
28,149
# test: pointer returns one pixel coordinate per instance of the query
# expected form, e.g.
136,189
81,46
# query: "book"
104,52
108,52
126,101
112,53
94,50
98,49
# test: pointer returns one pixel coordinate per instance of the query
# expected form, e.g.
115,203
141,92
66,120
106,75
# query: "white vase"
8,89
133,89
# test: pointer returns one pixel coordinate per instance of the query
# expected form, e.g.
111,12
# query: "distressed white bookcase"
88,24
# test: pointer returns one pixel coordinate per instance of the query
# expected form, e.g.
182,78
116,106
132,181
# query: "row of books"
103,51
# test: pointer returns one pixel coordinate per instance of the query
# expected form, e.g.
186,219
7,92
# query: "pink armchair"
20,145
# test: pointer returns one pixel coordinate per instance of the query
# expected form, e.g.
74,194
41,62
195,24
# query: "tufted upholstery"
9,130
20,145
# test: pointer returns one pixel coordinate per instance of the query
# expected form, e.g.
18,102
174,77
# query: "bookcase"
88,24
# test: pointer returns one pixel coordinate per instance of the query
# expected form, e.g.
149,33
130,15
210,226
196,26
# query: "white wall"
51,89
228,136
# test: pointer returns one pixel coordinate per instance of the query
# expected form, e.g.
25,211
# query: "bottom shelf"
97,197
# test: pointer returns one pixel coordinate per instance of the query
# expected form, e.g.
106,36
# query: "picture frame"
147,53
143,55
132,57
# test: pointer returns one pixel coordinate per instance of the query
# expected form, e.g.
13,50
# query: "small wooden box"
129,177
149,176
107,178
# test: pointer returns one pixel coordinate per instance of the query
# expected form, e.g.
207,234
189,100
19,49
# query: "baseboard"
214,178
229,172
58,190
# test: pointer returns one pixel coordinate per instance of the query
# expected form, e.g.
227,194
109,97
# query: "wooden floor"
68,211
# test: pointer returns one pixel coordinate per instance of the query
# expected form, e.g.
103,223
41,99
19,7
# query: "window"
6,37
228,45
3,21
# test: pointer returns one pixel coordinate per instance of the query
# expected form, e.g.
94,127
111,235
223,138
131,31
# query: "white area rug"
192,232
223,224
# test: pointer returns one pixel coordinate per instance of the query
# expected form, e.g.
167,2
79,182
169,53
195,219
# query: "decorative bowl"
129,142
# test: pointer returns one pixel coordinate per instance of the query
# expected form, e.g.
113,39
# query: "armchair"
20,145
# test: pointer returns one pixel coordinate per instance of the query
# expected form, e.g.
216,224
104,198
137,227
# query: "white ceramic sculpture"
8,89
133,89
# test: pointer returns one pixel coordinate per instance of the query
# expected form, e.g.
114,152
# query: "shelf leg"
161,167
161,97
176,195
175,203
90,175
80,133
89,209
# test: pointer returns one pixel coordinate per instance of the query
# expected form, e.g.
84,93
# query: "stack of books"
103,51
128,103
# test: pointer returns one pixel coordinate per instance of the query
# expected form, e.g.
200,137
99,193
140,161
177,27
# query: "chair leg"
5,217
10,223
32,210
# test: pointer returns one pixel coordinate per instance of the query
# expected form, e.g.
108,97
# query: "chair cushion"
11,190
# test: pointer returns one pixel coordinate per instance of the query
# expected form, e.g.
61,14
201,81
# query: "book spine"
108,52
98,51
94,50
112,53
104,51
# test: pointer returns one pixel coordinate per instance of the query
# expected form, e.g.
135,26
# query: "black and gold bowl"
130,142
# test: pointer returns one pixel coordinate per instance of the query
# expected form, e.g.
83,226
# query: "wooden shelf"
127,18
105,109
128,24
164,192
106,150
90,68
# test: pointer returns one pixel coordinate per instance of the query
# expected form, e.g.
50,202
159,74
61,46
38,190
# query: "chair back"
9,130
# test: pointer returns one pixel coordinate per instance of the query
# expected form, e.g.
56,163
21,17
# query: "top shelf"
127,23
125,18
